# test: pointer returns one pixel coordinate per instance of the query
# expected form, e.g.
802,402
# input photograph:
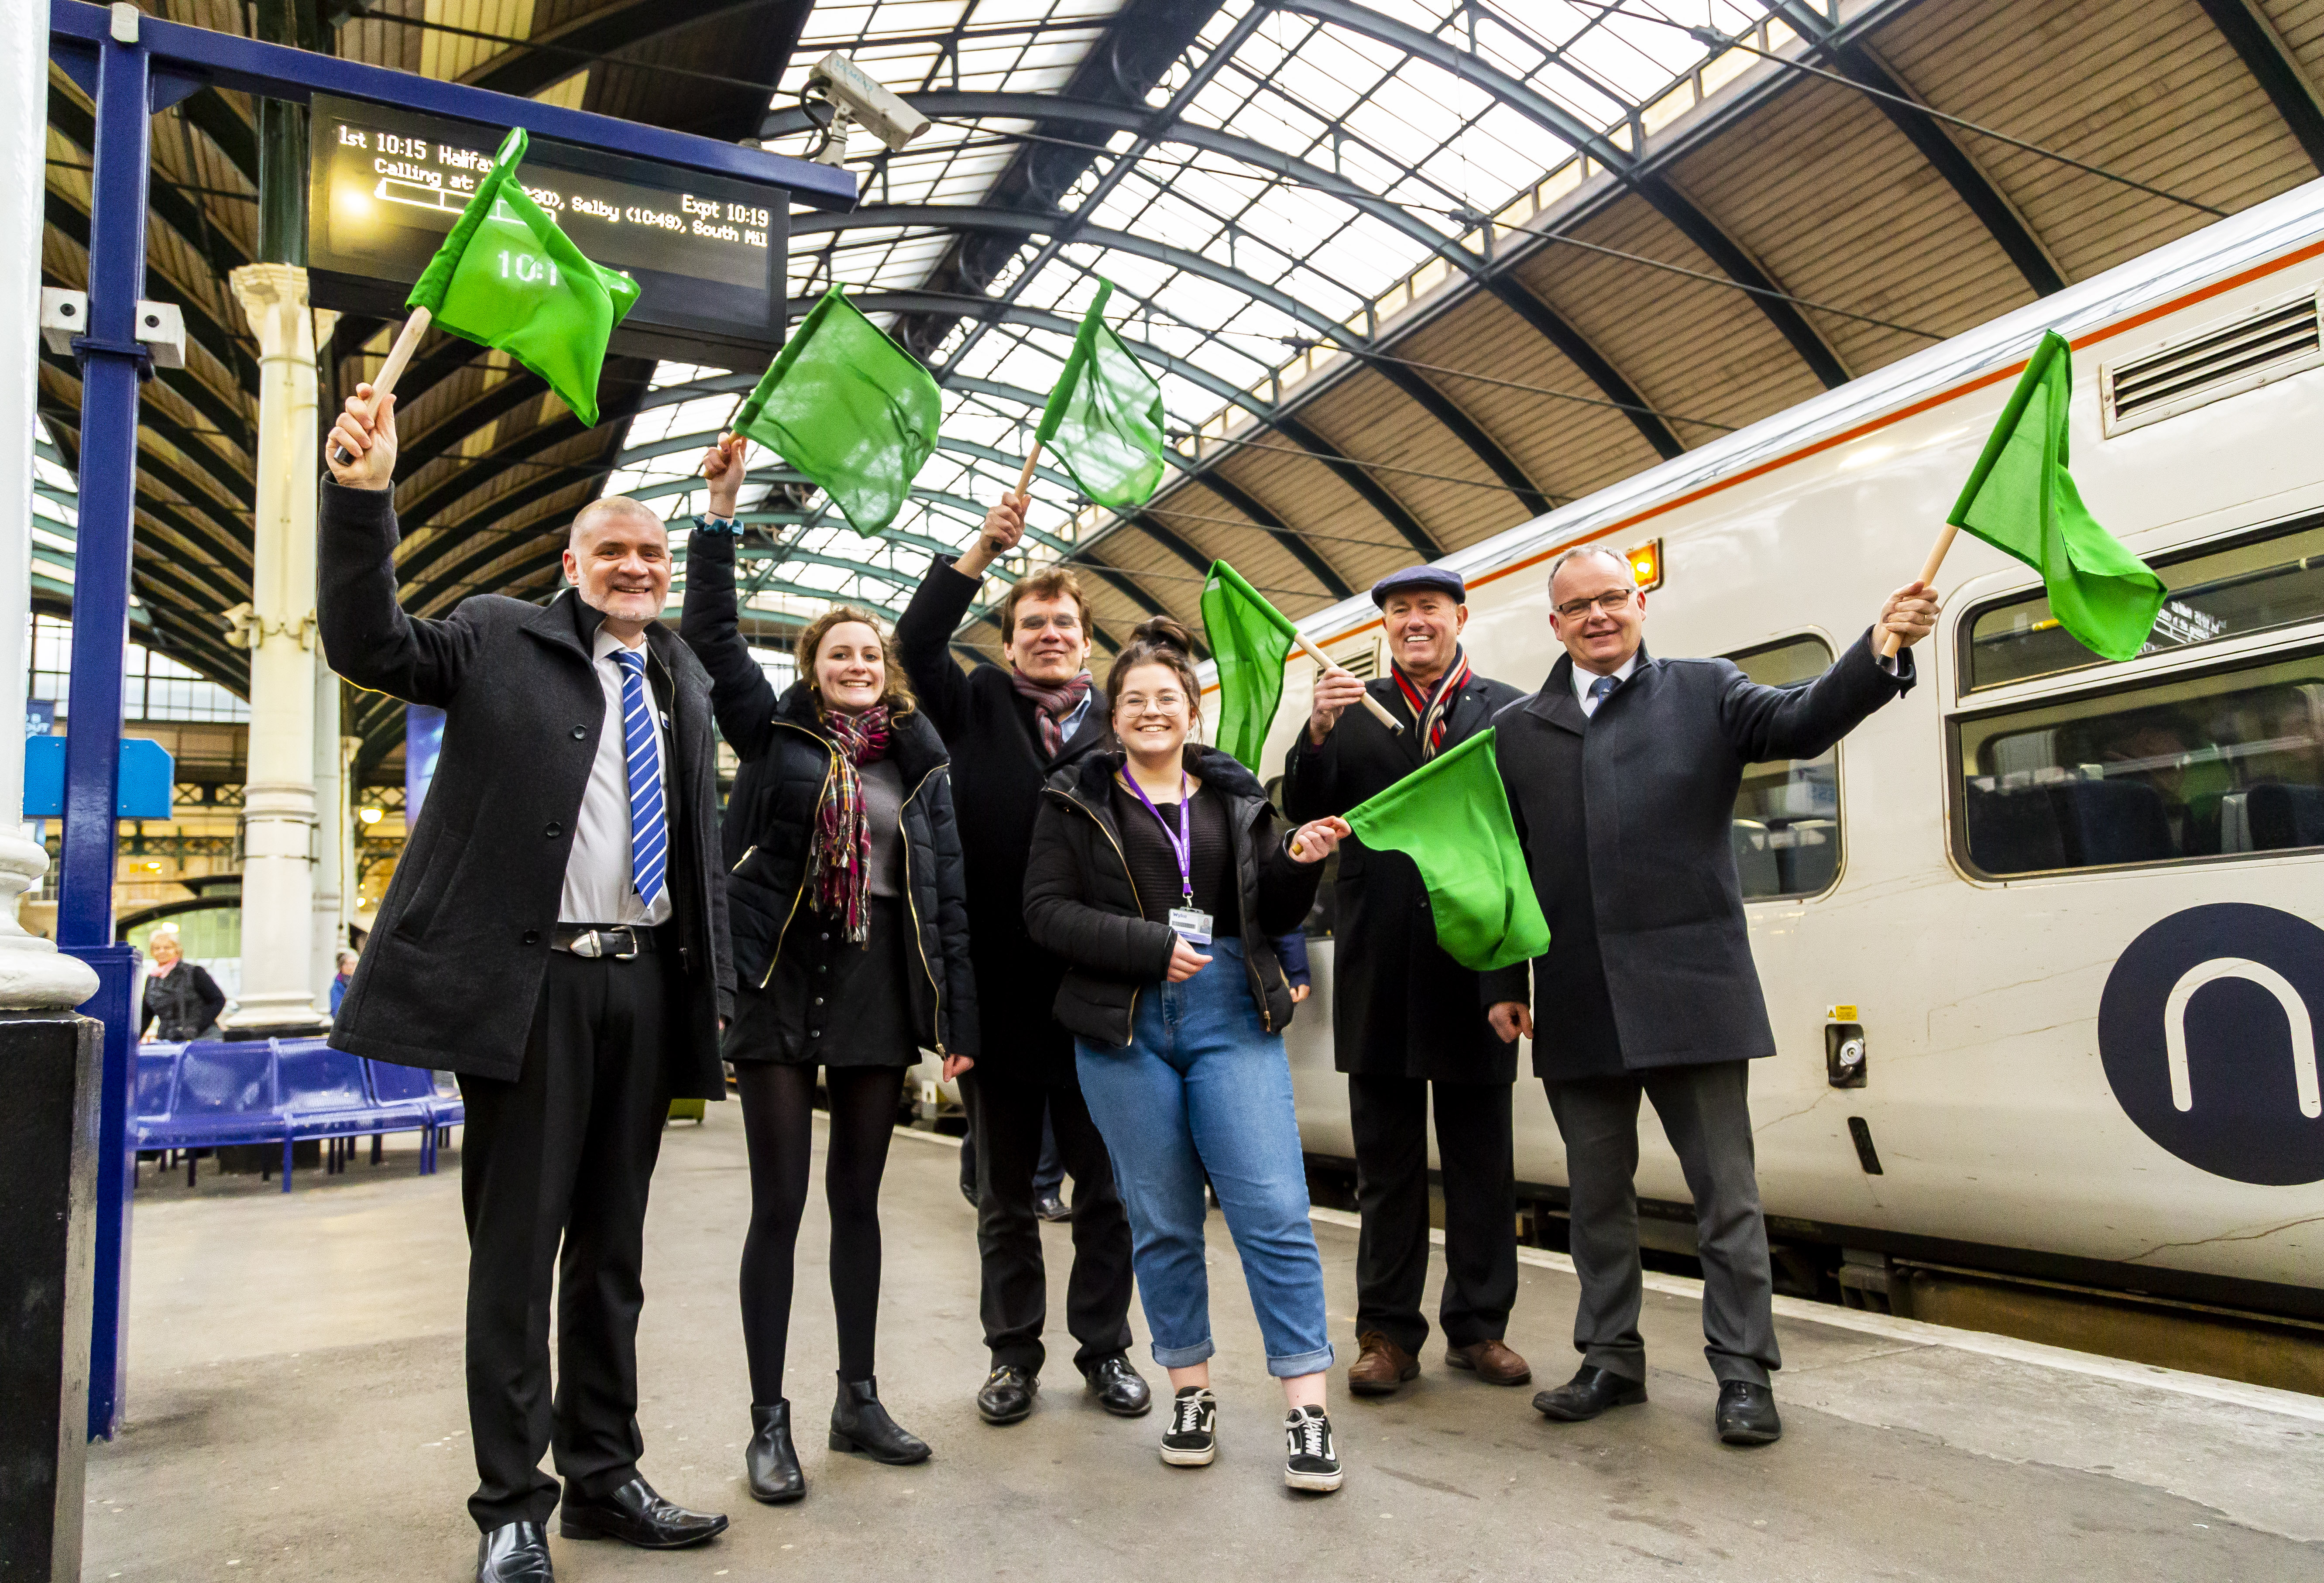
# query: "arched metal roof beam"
212,336
1552,325
1667,200
604,28
449,432
2002,222
1284,534
1354,474
2264,54
1064,228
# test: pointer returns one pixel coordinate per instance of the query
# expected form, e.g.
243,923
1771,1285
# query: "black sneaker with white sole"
1192,1440
1312,1460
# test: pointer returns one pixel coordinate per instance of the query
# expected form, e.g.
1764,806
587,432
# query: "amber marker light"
1647,564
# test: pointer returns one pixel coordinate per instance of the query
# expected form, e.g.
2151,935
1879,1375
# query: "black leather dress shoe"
635,1516
769,1460
1007,1394
860,1423
1052,1209
1118,1387
1588,1394
1747,1414
514,1552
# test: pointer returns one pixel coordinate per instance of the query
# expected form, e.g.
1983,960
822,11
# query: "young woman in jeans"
1159,874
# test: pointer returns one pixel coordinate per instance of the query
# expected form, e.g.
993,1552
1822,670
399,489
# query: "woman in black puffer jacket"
846,908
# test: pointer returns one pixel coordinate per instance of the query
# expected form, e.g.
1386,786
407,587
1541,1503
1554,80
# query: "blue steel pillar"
113,365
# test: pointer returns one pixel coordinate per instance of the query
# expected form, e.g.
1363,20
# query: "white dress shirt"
599,885
1582,678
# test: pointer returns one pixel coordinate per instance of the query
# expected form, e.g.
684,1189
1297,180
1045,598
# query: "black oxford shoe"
1747,1414
1118,1388
635,1516
769,1463
1007,1394
514,1552
1588,1394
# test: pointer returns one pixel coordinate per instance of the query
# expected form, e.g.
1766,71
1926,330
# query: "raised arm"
923,643
366,637
1767,723
740,696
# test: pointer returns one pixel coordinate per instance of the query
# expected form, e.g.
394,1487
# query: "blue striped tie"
649,831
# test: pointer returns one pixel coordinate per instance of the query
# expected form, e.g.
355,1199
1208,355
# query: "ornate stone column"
330,930
279,833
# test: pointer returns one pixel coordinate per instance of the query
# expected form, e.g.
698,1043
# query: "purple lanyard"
1182,840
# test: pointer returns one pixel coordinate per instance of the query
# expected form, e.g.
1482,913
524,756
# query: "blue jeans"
1203,1085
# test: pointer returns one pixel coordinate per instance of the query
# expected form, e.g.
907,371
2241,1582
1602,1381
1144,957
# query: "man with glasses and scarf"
1405,1015
1009,729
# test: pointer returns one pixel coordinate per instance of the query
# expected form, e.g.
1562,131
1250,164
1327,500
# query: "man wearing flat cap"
1405,1016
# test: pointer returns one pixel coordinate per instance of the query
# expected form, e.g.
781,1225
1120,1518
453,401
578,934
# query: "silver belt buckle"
590,942
631,934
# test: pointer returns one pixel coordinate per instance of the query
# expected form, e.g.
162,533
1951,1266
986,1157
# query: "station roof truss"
1409,272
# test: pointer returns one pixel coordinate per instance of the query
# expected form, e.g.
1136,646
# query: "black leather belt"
619,940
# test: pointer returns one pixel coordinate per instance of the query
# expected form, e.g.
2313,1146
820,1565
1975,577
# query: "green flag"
850,409
1249,639
1104,417
2021,500
1450,816
507,277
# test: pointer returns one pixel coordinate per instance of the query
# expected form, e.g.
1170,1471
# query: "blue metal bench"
216,1094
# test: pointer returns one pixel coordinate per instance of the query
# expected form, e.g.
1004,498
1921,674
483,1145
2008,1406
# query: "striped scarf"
840,861
1430,711
1051,705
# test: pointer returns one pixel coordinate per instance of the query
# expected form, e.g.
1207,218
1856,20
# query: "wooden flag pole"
1025,478
1889,643
1379,711
398,358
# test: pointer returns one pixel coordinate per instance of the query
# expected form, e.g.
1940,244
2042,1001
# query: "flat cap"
1420,580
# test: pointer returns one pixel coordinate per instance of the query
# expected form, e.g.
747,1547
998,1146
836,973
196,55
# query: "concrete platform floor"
296,1413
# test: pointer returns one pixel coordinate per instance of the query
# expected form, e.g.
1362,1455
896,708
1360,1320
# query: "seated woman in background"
183,1001
1159,873
845,902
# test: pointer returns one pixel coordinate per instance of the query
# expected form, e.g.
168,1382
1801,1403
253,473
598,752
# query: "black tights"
777,1105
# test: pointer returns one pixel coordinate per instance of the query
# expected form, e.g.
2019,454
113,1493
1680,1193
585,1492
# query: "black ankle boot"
769,1460
859,1423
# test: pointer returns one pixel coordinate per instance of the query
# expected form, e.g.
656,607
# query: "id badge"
1193,924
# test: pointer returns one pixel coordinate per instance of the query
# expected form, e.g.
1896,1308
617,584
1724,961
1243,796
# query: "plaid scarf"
1053,705
839,862
1430,711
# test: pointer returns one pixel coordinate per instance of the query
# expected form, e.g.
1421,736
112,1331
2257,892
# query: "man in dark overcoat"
556,934
1622,773
1406,1019
1007,730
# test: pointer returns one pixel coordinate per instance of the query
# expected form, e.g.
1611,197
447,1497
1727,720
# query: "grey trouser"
1706,1113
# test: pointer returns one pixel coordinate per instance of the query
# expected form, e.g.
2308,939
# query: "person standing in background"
1008,730
848,911
183,1001
345,976
1406,1020
554,934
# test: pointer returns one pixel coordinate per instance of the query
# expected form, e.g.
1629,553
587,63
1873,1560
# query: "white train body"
1987,1099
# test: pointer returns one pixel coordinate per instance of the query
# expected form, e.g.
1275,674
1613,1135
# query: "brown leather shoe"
1381,1366
1491,1362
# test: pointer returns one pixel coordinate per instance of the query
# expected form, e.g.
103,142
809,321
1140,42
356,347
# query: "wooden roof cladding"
1820,185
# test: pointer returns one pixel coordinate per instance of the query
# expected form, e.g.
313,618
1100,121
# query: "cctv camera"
857,98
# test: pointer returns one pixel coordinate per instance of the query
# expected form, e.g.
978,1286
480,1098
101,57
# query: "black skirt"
829,1003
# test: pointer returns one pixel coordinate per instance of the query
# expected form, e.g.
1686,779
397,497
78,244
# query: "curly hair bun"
1163,632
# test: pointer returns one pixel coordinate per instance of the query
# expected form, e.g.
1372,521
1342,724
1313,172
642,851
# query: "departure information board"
707,252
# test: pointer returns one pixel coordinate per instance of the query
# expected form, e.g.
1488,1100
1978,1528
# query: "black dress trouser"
1005,1119
1390,1117
554,1169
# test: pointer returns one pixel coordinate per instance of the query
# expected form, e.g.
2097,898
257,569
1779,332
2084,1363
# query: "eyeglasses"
1612,600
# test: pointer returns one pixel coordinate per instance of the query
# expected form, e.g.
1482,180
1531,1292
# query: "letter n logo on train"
2207,1031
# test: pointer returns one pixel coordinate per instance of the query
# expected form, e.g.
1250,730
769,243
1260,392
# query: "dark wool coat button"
532,936
579,733
554,829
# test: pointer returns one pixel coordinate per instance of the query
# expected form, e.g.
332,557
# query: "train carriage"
2040,941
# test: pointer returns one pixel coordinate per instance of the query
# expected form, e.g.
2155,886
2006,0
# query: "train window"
2195,766
1786,830
2274,579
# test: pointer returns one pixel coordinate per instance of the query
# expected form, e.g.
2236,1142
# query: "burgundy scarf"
840,862
1431,710
1053,703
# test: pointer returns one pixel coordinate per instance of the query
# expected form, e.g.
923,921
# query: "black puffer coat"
787,758
1081,902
